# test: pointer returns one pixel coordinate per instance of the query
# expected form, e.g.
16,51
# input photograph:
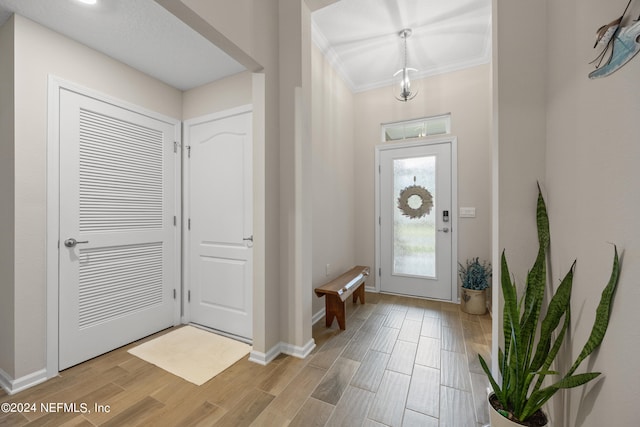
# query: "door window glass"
414,234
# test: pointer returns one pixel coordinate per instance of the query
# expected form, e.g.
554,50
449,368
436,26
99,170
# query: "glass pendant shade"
402,76
405,93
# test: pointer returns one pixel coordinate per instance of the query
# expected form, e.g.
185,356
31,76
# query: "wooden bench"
338,290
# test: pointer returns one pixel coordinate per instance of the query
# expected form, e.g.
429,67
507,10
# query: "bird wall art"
619,42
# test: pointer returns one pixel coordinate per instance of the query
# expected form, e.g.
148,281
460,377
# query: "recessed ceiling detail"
360,37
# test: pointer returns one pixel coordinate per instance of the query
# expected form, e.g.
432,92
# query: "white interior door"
118,246
219,264
416,216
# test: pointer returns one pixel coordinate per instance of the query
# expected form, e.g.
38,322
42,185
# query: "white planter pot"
472,301
497,420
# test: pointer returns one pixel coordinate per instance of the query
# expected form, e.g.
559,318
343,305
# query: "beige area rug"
191,353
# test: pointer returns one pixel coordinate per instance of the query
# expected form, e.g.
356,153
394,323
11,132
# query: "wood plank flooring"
400,362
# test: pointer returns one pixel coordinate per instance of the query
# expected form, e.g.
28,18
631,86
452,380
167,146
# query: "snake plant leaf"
535,287
603,313
494,384
555,349
576,380
540,397
536,278
510,299
533,299
557,308
548,373
513,341
542,220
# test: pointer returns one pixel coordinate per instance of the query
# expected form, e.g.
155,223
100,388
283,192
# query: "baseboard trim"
284,348
12,386
297,351
264,358
318,316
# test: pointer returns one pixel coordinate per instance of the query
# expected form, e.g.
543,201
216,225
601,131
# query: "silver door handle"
445,230
71,242
250,239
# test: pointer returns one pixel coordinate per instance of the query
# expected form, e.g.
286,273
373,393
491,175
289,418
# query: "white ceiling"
360,37
140,33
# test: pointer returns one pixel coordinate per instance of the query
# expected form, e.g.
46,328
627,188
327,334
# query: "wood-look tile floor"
400,362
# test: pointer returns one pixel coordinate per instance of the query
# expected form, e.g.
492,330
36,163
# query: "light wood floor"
400,362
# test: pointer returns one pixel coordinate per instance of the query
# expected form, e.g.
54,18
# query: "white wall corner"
12,386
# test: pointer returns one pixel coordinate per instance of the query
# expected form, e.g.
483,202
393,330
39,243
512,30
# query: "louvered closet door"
117,200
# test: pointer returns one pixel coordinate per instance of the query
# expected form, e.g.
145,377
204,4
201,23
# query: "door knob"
445,230
71,242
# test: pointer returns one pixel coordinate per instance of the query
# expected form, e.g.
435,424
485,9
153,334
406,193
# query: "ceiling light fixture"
405,82
92,2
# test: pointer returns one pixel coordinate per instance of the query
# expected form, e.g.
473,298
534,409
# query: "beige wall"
521,104
220,95
7,195
40,52
466,95
334,209
592,184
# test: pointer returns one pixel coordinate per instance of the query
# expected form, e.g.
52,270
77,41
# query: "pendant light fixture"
403,74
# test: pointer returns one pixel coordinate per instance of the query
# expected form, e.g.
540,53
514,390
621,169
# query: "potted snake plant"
532,341
474,277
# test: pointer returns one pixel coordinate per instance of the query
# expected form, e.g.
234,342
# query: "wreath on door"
415,201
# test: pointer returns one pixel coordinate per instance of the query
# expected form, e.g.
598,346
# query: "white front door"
219,188
118,245
416,217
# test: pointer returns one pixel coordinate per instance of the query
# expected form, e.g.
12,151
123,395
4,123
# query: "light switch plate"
467,212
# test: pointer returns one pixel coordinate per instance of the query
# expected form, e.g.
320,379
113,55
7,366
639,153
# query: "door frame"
453,141
55,85
186,192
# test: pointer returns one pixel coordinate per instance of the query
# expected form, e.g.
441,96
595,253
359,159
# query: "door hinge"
174,294
188,151
380,272
189,224
379,168
175,221
380,220
175,146
188,296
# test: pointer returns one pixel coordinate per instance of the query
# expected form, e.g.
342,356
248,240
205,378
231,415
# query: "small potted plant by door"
475,277
533,336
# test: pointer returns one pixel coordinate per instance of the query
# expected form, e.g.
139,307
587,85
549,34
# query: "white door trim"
55,85
454,204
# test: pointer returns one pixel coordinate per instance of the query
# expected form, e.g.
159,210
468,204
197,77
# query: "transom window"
418,128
